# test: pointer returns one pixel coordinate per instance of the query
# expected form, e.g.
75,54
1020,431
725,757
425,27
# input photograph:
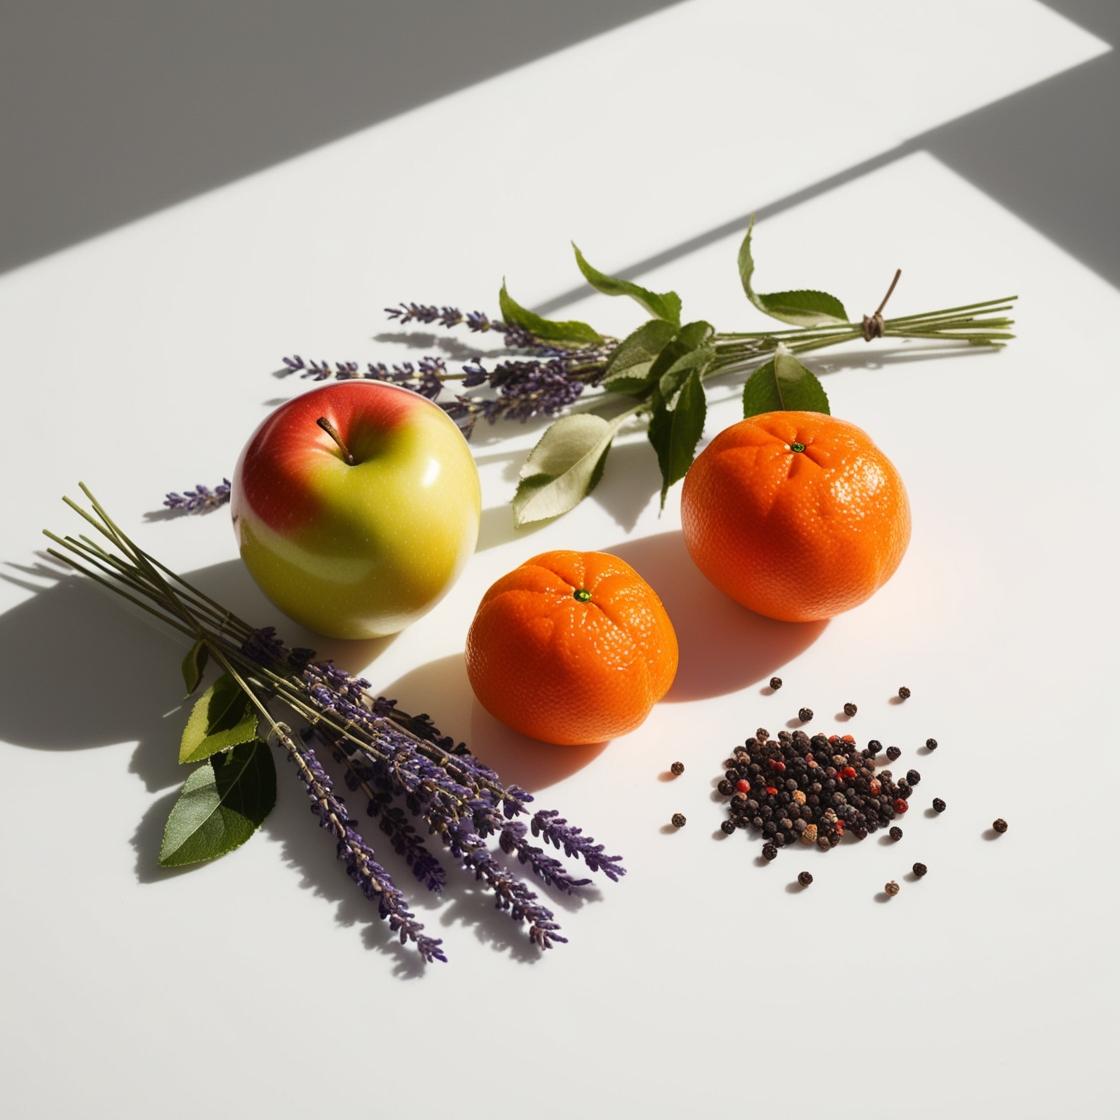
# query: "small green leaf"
554,331
628,370
194,664
564,467
221,718
665,305
783,384
804,308
689,350
220,806
675,431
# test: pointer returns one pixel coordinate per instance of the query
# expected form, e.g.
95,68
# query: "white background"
264,984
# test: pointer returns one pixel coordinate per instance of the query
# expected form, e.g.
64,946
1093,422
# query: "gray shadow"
723,646
126,107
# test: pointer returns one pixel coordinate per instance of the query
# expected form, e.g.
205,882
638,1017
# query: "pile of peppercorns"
810,789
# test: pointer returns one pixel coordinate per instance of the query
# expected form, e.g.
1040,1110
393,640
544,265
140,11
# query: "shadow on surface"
723,647
126,107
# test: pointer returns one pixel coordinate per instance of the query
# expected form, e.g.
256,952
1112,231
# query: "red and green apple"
355,507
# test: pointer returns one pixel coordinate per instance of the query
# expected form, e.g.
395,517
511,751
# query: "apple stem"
332,431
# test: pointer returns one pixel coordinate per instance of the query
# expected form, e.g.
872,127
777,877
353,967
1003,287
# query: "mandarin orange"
796,515
571,648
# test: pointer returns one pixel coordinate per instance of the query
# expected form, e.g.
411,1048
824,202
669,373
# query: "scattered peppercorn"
728,827
892,888
913,777
850,709
919,869
769,851
893,753
895,833
904,693
900,805
1000,825
679,820
874,747
725,787
804,878
938,805
804,714
931,744
677,769
775,683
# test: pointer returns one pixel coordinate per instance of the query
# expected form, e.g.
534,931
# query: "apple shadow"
519,760
723,646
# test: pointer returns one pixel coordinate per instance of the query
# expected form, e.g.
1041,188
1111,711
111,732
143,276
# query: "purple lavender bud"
199,500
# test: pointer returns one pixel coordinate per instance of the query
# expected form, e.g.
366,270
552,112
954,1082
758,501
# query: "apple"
355,507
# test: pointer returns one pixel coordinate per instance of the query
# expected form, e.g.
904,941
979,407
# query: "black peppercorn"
804,714
728,827
919,869
775,683
931,744
938,805
913,777
1000,825
893,753
904,693
677,769
892,888
804,878
874,746
850,709
895,832
769,851
725,787
679,820
731,774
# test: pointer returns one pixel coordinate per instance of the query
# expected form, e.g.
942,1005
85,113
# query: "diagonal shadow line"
1019,150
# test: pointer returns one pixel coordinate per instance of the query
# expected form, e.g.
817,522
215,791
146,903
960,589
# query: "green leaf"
194,664
688,351
665,305
222,717
220,806
564,467
628,370
554,331
805,308
675,431
783,384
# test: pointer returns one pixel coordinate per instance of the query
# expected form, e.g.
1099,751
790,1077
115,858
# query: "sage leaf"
222,717
665,305
220,806
804,308
564,467
689,350
194,664
572,331
783,384
675,431
628,369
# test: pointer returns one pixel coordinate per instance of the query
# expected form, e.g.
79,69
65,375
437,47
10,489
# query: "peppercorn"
743,786
931,744
913,777
728,827
799,797
679,820
731,774
809,835
804,714
919,869
850,709
804,878
893,753
895,833
903,789
892,888
938,805
677,769
762,734
874,746
775,683
1000,825
769,851
725,787
904,693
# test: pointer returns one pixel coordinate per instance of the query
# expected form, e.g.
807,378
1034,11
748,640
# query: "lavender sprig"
201,499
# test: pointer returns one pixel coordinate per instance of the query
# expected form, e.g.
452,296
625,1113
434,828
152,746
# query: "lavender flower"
199,500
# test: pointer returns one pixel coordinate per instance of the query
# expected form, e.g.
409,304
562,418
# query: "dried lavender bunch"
408,772
201,499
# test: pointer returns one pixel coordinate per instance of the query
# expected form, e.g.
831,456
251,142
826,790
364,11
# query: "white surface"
262,985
